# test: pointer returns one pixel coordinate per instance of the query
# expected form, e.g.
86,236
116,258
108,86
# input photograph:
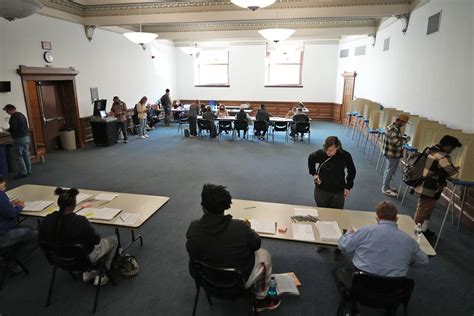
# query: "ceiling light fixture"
17,9
253,4
276,34
141,38
191,50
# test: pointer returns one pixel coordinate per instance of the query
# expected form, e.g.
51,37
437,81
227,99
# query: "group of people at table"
146,116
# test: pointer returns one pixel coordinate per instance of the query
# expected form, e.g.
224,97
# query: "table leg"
462,206
117,233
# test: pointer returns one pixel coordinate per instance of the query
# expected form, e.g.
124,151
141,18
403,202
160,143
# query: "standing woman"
333,173
141,112
67,228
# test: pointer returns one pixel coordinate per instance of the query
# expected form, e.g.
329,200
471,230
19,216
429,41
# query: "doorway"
348,92
51,102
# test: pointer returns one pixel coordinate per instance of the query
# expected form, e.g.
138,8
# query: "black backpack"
413,170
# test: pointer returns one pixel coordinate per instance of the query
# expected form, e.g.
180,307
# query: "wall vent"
344,53
433,23
386,44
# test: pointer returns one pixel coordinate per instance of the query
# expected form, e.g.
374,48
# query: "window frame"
197,68
287,85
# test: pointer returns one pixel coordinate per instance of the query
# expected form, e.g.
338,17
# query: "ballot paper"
127,218
328,231
286,284
105,213
303,232
36,206
82,197
306,211
263,226
105,196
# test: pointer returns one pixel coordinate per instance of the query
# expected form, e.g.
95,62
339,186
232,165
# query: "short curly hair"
215,199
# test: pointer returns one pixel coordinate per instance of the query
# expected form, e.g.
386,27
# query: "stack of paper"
286,283
263,226
306,211
82,197
328,231
36,206
105,213
105,196
303,232
127,218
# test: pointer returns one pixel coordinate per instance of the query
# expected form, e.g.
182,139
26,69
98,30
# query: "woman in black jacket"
333,173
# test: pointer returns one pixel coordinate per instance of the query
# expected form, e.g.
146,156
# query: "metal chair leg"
208,298
196,300
97,293
404,195
4,274
50,292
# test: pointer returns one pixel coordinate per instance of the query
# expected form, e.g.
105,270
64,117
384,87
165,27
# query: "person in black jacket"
299,116
262,116
220,241
21,140
328,167
67,228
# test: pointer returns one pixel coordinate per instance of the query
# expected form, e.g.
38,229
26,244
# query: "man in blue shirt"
381,249
22,239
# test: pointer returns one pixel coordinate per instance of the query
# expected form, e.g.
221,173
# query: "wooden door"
348,92
51,113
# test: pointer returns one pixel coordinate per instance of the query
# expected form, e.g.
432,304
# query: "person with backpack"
438,167
166,104
393,149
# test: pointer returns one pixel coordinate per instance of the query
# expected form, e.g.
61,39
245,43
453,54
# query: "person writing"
222,111
67,228
243,116
221,241
208,115
333,172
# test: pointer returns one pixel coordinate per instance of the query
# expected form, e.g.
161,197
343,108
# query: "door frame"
347,75
52,74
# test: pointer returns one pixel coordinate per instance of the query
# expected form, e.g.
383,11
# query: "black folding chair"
204,125
222,283
280,127
301,128
73,259
225,125
260,126
181,121
240,125
9,257
378,292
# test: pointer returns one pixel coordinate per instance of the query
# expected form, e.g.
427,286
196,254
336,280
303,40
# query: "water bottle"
418,232
272,289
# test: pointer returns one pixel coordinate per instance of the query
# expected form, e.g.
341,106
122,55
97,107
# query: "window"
283,66
359,51
211,68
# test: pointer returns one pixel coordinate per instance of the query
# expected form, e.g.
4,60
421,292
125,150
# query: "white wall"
247,73
425,75
110,61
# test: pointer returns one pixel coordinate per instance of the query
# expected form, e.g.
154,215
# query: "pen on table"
104,203
247,208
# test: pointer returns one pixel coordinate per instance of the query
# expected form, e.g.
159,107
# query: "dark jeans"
260,133
244,130
122,126
329,199
22,154
213,130
292,134
192,125
23,239
167,115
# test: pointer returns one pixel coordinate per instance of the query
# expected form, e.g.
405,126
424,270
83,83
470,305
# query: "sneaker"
394,190
125,141
103,280
389,193
192,136
88,276
267,304
142,137
146,136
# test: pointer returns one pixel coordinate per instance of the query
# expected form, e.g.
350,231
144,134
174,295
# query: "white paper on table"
105,213
36,206
127,218
82,197
328,231
303,232
105,196
285,284
263,226
306,211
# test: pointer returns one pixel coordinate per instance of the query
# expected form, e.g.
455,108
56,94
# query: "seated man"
21,239
152,116
67,228
298,117
380,249
221,241
208,115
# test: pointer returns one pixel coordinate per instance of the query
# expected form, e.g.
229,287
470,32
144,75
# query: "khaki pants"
106,247
261,273
424,208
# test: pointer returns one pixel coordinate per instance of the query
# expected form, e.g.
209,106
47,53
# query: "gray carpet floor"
169,165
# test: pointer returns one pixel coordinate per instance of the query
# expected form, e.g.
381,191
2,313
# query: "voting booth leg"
462,206
451,202
50,292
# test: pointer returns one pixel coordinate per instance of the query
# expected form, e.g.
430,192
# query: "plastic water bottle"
418,232
272,290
